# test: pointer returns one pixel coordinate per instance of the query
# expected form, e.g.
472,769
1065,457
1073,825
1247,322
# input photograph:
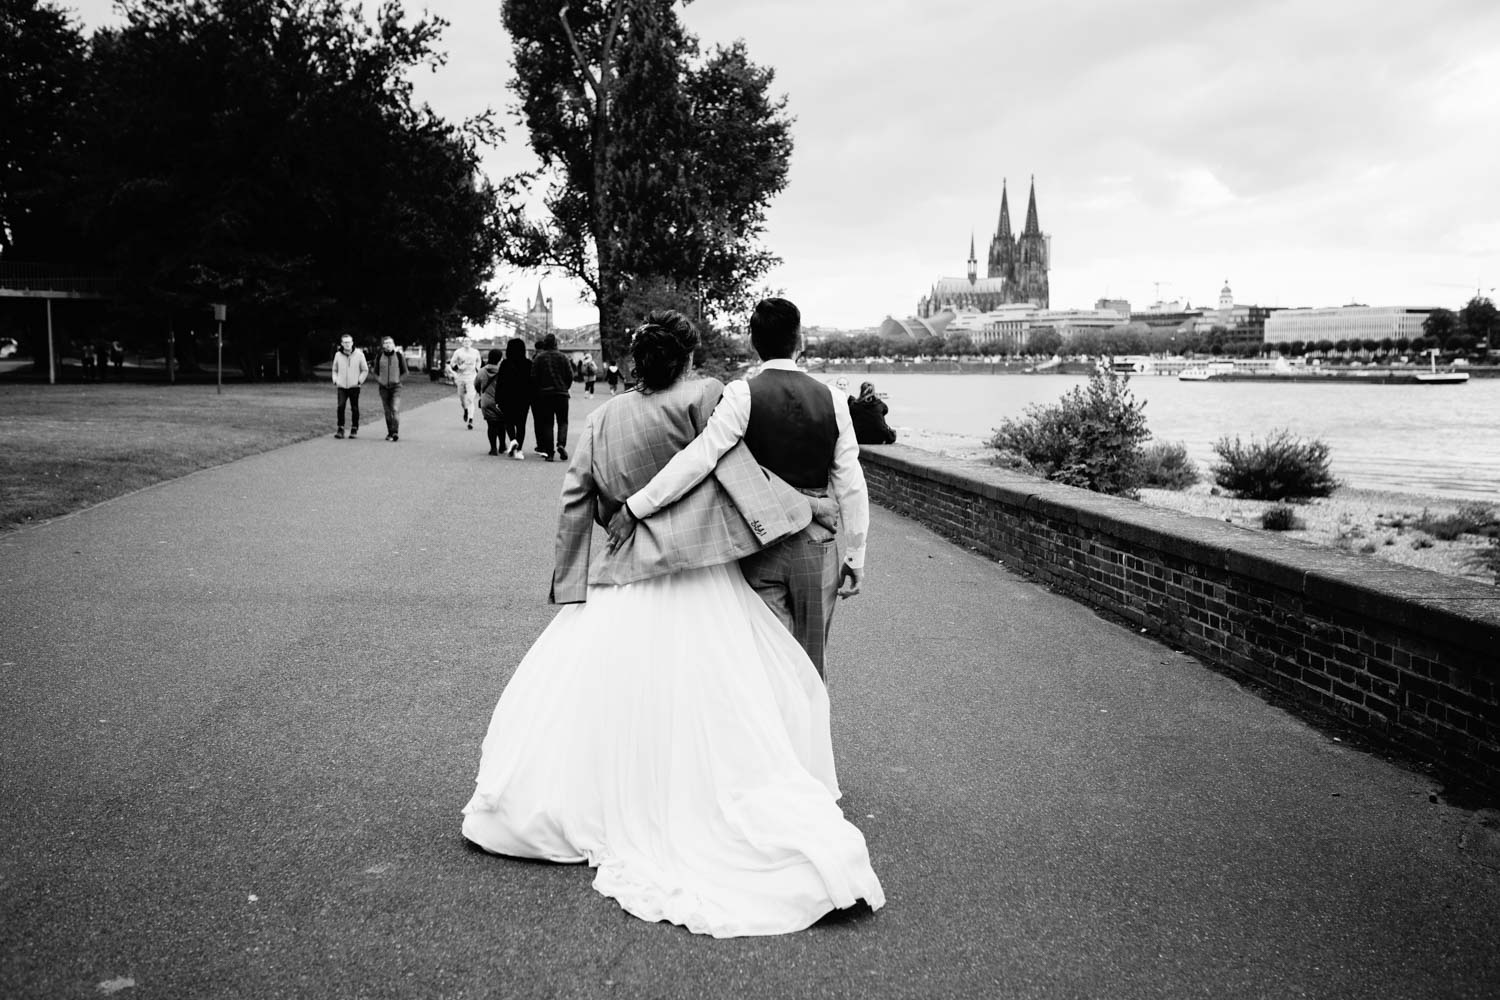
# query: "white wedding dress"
674,735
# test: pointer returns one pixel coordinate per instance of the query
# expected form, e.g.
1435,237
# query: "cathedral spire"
973,261
1004,231
1032,229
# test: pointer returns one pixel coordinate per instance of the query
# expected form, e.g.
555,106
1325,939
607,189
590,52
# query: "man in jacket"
349,373
551,380
390,368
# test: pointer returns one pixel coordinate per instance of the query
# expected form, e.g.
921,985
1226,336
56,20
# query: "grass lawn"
65,447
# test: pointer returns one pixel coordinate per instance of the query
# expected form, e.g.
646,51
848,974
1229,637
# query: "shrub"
1166,465
1091,438
1279,518
1472,518
1280,467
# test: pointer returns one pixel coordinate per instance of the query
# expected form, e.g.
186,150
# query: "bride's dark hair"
662,347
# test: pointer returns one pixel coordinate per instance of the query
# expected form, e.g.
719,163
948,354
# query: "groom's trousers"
798,578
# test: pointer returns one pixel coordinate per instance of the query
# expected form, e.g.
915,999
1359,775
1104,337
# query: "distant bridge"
49,282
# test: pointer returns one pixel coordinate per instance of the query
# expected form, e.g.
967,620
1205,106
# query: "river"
1440,441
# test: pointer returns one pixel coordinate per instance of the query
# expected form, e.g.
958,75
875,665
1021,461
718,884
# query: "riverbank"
1376,523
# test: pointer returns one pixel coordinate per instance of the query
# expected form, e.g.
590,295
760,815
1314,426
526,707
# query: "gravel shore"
1374,523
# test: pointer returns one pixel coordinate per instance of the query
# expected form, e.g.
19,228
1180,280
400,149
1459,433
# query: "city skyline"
1313,157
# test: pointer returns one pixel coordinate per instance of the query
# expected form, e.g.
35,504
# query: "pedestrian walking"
488,384
612,377
514,393
390,369
551,380
349,373
590,374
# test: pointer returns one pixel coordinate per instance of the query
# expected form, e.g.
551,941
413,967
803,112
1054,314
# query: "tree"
1440,324
661,163
1043,340
1480,320
957,343
270,156
41,85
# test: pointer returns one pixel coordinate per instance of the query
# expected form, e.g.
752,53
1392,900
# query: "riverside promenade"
243,709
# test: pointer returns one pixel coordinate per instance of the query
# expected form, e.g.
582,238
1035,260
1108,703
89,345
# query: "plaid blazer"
738,510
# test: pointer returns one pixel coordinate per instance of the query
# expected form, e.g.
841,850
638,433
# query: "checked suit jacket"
738,510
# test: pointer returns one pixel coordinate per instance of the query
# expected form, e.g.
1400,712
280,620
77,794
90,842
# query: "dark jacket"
514,387
551,372
868,417
488,382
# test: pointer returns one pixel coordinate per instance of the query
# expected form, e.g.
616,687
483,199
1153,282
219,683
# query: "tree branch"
598,84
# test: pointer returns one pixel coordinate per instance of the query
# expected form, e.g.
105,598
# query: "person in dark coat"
551,381
868,411
513,391
488,383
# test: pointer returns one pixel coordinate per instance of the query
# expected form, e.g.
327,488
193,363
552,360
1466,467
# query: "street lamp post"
220,309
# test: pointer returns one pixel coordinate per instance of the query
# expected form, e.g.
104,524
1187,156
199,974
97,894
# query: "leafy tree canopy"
660,161
1480,320
41,70
1440,324
270,156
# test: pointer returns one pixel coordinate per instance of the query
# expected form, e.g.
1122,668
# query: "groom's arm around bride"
800,429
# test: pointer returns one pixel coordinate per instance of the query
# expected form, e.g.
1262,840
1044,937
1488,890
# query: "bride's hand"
621,527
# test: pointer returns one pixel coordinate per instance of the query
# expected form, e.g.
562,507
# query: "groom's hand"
621,526
849,580
825,511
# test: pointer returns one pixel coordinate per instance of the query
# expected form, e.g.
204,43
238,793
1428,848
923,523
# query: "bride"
665,727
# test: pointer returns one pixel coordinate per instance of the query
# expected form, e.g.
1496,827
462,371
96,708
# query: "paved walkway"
242,711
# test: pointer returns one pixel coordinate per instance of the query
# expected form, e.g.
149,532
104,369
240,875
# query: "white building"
1336,323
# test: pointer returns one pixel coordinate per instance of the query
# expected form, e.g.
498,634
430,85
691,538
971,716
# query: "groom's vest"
792,428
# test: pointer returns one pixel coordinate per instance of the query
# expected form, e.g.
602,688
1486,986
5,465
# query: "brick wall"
1409,658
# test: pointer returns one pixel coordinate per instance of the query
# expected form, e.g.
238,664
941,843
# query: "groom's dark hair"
774,326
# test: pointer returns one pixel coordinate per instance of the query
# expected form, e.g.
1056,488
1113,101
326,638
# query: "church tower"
539,312
1033,259
973,262
1003,245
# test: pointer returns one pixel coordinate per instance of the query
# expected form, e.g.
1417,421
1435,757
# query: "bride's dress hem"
673,735
683,907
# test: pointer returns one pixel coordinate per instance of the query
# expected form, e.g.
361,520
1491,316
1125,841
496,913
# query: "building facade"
1336,323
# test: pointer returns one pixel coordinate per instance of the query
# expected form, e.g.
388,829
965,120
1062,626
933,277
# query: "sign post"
51,354
220,309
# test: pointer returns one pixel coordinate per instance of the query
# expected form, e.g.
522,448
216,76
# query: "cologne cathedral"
1017,272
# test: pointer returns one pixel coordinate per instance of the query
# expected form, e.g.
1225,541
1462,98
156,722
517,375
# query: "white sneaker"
518,455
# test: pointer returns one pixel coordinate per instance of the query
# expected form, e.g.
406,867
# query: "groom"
800,429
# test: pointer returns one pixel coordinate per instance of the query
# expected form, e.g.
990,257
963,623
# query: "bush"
1166,465
1281,467
1091,438
1279,518
1472,518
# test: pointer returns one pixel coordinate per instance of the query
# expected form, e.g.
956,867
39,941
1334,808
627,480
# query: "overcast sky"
1311,152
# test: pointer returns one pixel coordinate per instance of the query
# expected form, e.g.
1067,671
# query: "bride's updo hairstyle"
662,347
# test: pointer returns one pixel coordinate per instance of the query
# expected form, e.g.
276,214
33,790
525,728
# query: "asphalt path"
242,711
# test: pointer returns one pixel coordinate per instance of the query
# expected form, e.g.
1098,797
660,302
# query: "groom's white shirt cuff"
846,480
